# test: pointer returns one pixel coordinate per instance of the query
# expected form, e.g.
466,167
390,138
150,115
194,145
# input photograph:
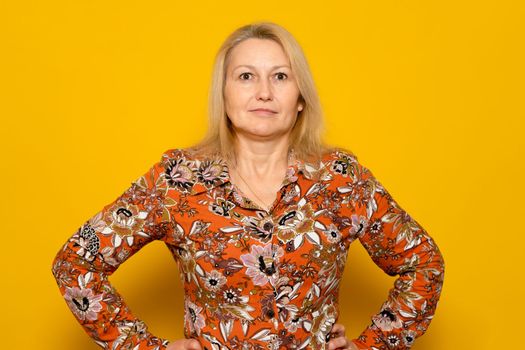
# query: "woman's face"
259,76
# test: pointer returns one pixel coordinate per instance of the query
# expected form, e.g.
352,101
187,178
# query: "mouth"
263,111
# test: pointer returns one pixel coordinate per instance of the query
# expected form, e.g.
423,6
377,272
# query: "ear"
300,107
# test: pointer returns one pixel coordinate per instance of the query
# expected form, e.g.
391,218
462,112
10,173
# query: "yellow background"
429,95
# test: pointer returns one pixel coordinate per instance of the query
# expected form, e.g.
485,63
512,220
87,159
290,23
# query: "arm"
82,267
400,247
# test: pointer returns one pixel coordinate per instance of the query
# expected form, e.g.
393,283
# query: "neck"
261,168
260,159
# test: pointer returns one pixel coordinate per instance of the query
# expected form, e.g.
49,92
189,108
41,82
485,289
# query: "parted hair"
307,134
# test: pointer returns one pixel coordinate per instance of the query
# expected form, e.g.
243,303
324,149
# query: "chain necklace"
291,155
255,194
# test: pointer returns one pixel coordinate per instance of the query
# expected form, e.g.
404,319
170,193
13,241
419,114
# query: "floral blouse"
254,279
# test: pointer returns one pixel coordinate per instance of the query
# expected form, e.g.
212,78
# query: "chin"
265,129
268,133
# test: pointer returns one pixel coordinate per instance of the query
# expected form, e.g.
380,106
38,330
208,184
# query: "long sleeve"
81,268
400,247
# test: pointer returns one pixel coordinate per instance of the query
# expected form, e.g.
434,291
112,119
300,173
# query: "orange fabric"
254,279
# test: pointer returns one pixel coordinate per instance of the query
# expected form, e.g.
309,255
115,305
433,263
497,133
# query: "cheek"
291,105
235,98
290,97
227,96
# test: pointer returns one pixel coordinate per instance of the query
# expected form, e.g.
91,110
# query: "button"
270,313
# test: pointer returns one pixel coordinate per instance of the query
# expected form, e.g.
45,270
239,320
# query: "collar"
213,172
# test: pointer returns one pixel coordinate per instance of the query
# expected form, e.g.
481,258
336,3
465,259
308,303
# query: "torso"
257,279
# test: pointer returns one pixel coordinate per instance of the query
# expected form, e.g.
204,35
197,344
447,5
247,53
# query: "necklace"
254,193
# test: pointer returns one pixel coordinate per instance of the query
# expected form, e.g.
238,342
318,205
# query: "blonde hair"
306,136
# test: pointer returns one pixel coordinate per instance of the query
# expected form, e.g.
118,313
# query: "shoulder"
337,152
187,171
340,161
332,164
178,153
183,155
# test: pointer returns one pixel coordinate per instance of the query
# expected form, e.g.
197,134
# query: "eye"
281,74
244,75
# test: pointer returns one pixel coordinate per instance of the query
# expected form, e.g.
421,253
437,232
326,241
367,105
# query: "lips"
263,110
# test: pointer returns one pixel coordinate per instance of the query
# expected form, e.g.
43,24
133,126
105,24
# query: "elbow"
442,263
438,267
56,264
440,260
61,265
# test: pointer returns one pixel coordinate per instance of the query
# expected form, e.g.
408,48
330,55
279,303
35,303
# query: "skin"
259,75
261,85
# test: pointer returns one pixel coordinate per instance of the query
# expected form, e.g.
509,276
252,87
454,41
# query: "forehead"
260,53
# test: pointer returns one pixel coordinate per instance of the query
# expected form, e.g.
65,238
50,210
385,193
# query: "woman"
259,217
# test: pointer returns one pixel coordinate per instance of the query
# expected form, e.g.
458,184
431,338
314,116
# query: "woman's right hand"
184,344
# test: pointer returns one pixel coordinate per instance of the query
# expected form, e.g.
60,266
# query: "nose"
264,91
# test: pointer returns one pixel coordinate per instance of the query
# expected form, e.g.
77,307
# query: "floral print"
193,317
254,279
261,263
84,304
214,280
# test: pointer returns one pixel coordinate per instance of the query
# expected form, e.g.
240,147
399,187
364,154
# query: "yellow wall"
429,95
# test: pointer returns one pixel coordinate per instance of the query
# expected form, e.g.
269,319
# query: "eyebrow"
252,67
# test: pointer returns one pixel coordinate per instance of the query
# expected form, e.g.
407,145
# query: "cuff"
373,337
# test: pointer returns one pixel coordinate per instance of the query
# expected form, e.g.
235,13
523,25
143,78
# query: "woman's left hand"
338,340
